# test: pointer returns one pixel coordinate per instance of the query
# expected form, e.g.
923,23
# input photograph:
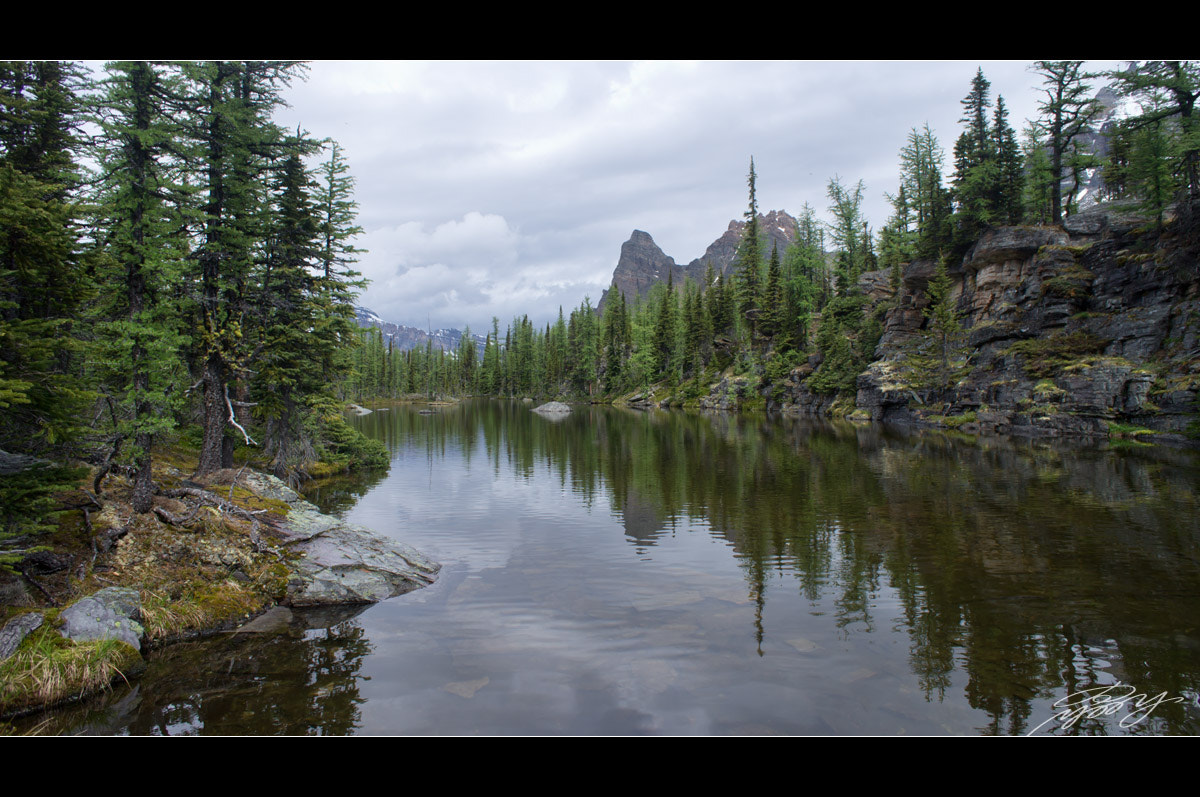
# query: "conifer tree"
1168,90
921,174
975,167
42,280
1067,111
232,103
774,309
664,330
43,285
848,232
289,308
749,260
138,226
338,283
1009,178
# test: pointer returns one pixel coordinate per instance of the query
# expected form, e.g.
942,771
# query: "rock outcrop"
553,408
339,563
1067,329
111,613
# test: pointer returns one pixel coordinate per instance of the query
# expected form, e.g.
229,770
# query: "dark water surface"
666,573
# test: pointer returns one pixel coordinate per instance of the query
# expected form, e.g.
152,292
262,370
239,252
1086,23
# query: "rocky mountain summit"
642,263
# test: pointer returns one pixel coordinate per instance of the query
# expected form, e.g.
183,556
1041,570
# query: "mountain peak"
642,263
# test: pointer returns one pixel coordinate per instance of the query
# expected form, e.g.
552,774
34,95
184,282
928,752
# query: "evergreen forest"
175,268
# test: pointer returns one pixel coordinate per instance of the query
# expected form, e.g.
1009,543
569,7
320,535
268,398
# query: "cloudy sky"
500,189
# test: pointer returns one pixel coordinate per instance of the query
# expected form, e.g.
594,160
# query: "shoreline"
266,548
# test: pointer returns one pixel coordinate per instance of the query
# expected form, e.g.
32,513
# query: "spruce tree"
1009,177
749,260
43,286
975,167
773,318
141,261
231,106
288,309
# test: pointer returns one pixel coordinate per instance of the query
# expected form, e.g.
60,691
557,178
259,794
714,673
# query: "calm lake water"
623,572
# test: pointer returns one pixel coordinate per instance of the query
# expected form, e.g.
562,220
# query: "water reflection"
294,673
1030,569
648,572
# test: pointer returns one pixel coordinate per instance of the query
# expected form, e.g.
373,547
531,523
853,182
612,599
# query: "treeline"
169,264
773,310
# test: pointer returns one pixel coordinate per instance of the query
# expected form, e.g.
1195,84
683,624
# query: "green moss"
201,606
1043,357
1046,390
952,421
1127,430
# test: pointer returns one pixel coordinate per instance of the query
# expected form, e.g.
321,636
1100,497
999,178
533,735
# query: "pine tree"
338,283
749,260
774,308
286,378
42,280
43,285
1009,182
1066,113
664,330
848,232
232,104
1169,90
142,259
975,168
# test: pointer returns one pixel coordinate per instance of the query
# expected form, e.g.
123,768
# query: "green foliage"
27,501
1167,92
1066,113
849,233
841,324
937,357
341,444
748,263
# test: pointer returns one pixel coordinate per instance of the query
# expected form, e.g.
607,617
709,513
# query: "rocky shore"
265,548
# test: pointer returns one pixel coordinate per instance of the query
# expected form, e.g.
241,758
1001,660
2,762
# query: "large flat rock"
339,563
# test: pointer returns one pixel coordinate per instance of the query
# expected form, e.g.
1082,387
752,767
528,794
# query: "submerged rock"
553,408
339,563
110,613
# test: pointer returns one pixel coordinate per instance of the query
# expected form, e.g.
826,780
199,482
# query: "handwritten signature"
1105,701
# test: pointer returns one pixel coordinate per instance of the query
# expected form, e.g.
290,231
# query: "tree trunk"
215,417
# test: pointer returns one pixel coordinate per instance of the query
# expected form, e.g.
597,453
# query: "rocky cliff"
1065,331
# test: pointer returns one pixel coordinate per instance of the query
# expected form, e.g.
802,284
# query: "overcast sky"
500,189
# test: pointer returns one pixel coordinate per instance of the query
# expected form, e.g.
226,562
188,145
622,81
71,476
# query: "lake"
626,572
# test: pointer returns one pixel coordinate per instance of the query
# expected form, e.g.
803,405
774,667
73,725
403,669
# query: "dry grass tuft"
48,669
